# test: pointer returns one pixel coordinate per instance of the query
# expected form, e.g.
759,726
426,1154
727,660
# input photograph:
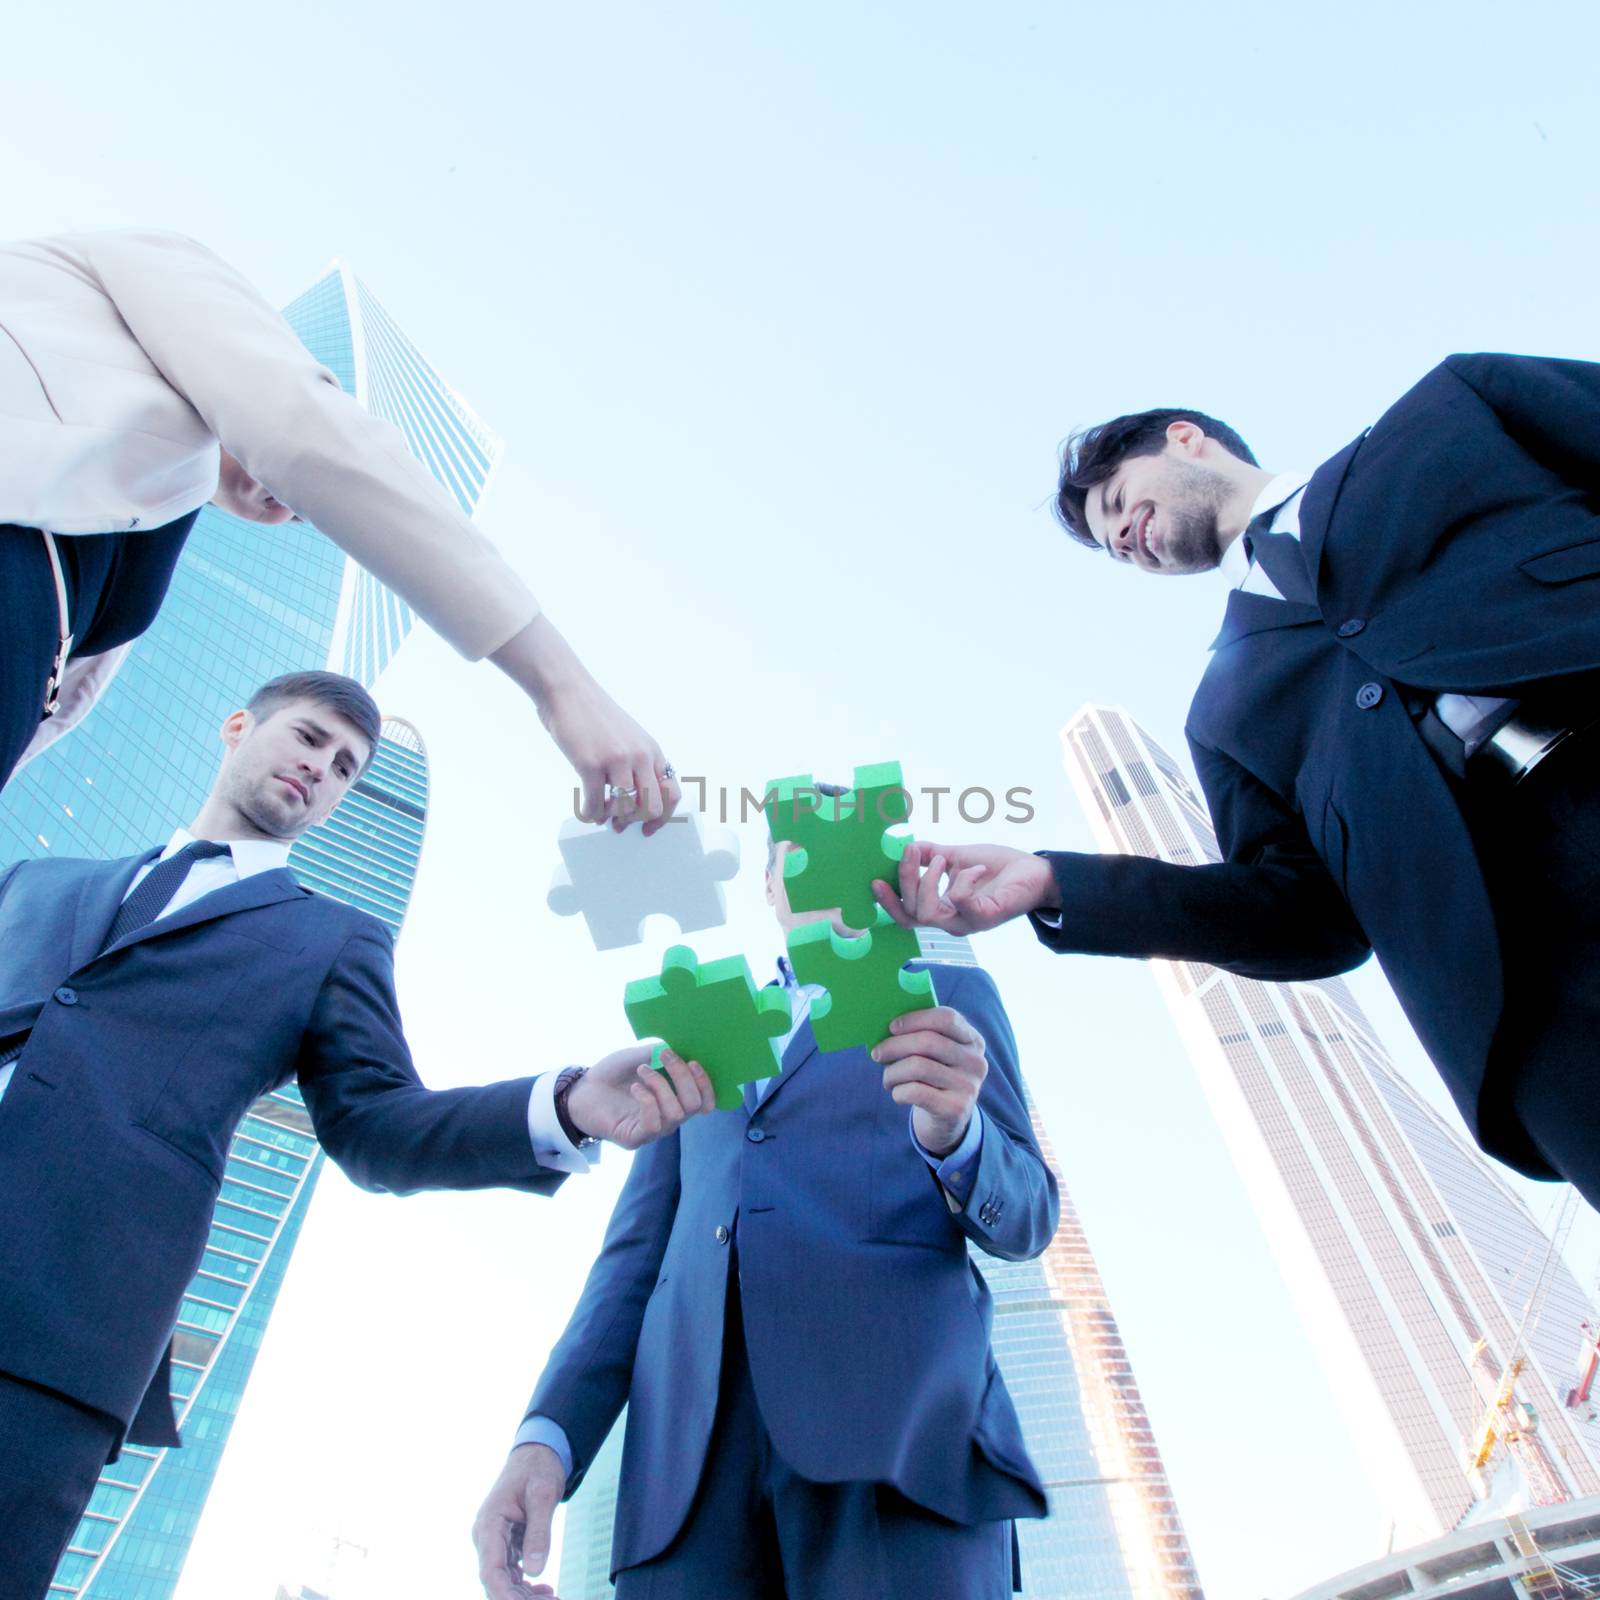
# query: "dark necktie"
146,902
1282,558
157,887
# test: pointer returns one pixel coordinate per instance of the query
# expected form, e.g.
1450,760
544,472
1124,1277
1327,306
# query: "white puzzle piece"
618,879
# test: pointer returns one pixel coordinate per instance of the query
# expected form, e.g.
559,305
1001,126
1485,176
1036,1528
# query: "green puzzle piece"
866,987
841,841
713,1014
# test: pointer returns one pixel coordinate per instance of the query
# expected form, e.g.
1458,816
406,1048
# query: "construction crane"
1507,1421
1579,1396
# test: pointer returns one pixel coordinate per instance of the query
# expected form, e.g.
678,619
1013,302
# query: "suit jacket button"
754,1135
1368,695
1351,626
67,997
721,1235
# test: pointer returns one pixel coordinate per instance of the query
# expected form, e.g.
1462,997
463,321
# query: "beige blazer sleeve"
285,418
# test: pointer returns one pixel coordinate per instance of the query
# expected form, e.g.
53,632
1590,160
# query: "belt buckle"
58,672
1519,745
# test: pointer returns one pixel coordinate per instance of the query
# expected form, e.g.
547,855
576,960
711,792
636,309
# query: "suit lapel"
801,1049
104,889
1316,509
260,889
1254,613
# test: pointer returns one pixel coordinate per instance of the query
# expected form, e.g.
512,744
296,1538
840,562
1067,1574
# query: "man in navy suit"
1394,733
785,1304
144,1005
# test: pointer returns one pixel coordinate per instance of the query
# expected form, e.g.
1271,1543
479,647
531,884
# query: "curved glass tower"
246,604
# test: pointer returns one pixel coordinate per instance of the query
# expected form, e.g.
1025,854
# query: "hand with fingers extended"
512,1529
935,1062
624,775
966,888
624,1100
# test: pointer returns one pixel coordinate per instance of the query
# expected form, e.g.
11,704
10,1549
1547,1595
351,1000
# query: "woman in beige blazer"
140,377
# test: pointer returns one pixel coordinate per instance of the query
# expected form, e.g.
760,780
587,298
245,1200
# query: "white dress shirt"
1467,716
245,859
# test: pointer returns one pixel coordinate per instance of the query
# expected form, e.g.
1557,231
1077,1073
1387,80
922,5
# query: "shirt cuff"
956,1170
551,1147
1047,921
543,1430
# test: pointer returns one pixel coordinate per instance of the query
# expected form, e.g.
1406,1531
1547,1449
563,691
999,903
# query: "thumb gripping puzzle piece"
713,1014
841,841
618,879
867,988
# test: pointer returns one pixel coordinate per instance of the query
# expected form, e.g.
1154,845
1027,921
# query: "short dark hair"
339,694
1091,455
831,790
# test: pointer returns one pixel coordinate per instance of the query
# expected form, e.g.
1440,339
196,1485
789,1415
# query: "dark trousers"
759,1531
1540,846
51,1452
29,629
115,585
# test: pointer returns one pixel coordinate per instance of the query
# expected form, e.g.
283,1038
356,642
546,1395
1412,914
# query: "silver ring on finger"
617,788
669,771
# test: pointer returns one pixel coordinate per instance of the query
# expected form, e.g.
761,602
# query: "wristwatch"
564,1084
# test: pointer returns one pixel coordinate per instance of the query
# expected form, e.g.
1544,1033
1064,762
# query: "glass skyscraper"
586,1532
1411,1260
246,604
1113,1532
136,1532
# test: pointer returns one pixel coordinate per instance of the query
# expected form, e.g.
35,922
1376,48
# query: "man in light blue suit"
785,1304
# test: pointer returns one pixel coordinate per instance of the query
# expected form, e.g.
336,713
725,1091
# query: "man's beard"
1195,497
278,818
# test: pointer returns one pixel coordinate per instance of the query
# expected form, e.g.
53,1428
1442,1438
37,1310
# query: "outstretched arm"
389,1132
284,417
1269,910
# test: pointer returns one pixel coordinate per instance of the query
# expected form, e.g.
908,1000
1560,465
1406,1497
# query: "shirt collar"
250,856
1235,563
1281,488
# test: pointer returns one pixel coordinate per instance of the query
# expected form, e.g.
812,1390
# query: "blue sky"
782,312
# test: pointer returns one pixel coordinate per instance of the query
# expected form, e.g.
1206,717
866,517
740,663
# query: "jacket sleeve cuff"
548,1432
956,1169
551,1147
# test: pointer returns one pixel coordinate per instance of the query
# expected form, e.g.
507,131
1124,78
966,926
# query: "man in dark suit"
785,1304
144,1005
1392,733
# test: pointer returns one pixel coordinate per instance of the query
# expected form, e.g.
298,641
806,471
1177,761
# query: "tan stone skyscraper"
1411,1260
